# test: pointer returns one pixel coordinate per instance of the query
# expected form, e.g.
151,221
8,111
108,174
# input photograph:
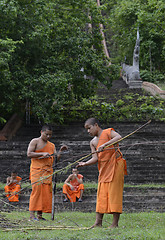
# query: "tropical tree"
56,59
124,18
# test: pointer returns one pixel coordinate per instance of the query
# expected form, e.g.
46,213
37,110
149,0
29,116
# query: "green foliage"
114,72
155,77
132,107
124,16
119,103
128,97
7,48
51,58
2,120
161,85
55,51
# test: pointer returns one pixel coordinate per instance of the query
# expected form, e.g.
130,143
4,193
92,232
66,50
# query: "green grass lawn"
73,226
89,185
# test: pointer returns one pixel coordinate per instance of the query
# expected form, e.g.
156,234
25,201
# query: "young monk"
41,151
73,187
111,166
13,186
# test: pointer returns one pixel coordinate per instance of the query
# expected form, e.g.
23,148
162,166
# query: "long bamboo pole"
130,134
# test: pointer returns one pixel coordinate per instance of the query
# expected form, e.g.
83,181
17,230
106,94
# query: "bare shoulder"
34,141
94,142
70,176
114,134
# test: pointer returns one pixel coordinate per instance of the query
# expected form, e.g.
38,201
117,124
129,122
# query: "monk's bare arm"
8,182
94,158
67,181
114,138
31,150
63,148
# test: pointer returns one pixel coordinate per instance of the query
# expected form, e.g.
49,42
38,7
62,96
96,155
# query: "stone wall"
145,161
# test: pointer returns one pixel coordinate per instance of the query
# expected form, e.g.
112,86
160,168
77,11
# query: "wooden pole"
54,181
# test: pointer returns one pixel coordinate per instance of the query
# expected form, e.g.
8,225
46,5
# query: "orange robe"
112,168
41,195
10,189
72,194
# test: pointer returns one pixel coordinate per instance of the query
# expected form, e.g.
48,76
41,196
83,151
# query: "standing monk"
112,168
41,151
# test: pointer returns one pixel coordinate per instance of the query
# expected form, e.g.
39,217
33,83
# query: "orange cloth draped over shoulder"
11,189
41,195
112,168
72,194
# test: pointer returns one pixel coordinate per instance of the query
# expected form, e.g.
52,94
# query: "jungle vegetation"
52,53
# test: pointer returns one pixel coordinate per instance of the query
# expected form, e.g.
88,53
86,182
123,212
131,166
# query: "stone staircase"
145,163
135,199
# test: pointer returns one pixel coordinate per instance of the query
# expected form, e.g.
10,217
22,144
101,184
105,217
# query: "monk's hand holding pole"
44,155
81,164
101,148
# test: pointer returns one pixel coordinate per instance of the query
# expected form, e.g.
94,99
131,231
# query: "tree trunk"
103,36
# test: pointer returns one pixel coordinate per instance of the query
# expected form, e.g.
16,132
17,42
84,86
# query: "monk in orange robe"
42,152
13,187
112,168
73,187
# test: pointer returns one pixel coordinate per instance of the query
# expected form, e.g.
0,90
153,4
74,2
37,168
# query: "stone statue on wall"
131,74
136,52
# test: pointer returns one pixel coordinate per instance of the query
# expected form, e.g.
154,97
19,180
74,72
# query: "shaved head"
47,127
91,121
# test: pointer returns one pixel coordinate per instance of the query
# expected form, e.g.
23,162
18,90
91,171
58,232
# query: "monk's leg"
66,197
39,214
98,222
32,215
68,193
81,193
116,217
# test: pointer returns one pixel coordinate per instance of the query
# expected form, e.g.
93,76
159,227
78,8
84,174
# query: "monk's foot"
33,219
113,226
43,219
96,225
65,200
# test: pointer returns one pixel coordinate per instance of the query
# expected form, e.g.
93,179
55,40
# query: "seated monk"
73,187
13,186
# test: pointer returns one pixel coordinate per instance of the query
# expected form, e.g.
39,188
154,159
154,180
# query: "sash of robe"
107,159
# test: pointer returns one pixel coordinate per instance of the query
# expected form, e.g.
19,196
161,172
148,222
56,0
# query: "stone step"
145,162
83,149
144,180
135,199
90,206
152,178
152,198
136,191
